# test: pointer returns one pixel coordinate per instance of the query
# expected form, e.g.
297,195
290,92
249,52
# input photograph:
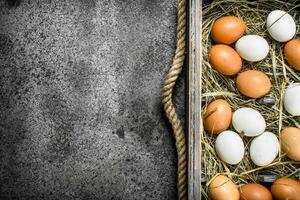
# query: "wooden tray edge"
194,127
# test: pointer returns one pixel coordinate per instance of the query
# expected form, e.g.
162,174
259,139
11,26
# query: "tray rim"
194,127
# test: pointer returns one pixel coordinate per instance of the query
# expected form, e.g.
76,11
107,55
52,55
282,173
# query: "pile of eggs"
222,188
248,122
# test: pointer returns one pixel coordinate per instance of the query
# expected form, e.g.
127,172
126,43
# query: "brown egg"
253,191
292,53
286,189
254,84
228,29
290,142
217,116
222,188
225,59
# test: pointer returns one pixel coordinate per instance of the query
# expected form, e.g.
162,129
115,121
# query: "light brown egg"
253,191
253,83
290,142
222,188
286,189
228,29
225,59
292,53
217,116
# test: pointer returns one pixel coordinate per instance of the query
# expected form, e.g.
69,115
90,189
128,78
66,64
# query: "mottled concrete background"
80,99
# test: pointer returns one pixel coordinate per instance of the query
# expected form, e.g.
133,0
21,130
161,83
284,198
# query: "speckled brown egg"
286,189
228,29
253,83
217,116
292,53
222,188
253,191
290,142
225,59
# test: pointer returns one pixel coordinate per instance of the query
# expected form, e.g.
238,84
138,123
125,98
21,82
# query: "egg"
248,122
286,189
225,59
292,53
252,48
228,29
230,147
253,191
291,99
222,188
253,83
264,149
290,140
281,25
217,116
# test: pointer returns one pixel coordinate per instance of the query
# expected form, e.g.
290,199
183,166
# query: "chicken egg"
253,191
290,142
264,149
281,25
217,116
248,122
253,83
222,188
228,29
292,53
230,147
291,99
286,189
252,48
225,59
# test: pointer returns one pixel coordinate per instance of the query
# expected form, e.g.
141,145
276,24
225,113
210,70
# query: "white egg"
264,149
281,25
292,99
230,147
252,47
248,121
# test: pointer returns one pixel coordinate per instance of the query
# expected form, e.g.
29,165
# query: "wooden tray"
193,120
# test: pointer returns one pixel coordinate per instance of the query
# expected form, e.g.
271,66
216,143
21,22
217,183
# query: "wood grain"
194,100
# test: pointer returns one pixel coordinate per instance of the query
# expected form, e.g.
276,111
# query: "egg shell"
228,29
248,122
292,53
286,188
253,191
222,188
253,83
290,142
230,147
264,149
225,59
252,48
217,116
291,99
281,25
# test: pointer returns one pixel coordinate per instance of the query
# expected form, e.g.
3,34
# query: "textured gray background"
80,99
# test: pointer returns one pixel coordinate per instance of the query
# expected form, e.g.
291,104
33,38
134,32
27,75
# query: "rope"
169,108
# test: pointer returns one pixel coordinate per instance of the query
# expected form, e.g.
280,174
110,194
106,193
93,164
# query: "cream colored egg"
248,122
252,48
281,25
292,99
230,147
264,149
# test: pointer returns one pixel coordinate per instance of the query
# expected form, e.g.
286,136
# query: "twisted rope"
169,108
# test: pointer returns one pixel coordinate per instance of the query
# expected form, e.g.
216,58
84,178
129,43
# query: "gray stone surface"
80,99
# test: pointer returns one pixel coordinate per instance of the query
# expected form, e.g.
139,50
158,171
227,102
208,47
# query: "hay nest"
215,85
